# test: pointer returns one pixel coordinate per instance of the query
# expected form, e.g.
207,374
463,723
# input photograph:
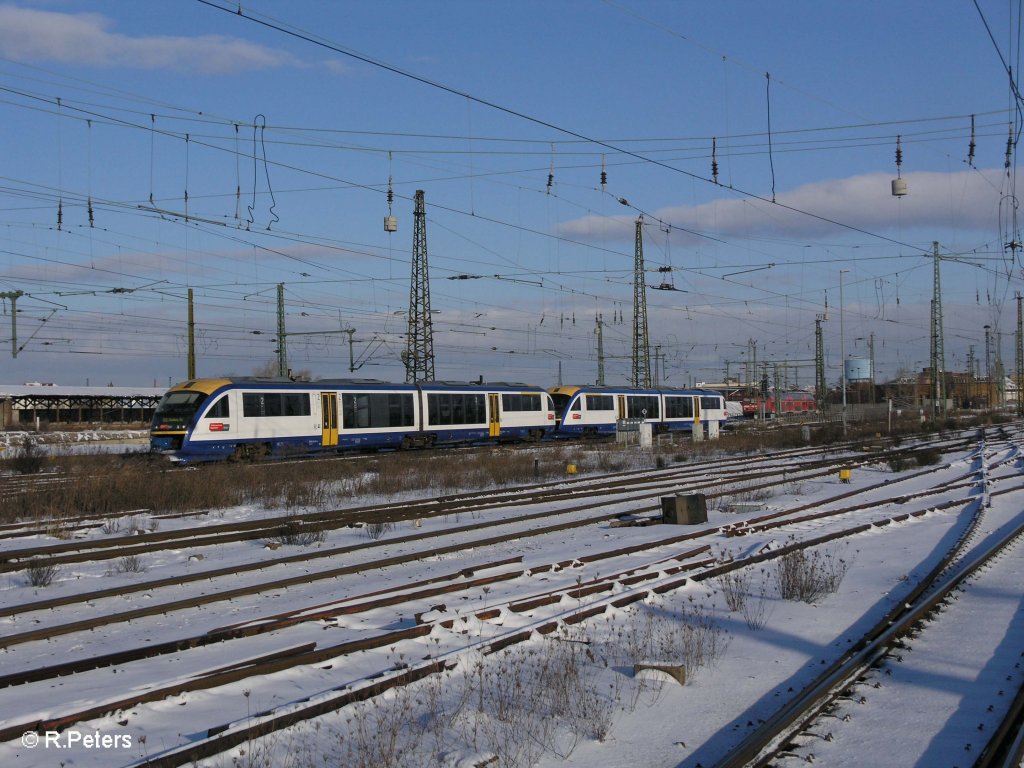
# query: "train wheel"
243,452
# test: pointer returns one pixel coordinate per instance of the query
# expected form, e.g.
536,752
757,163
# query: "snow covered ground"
567,699
76,441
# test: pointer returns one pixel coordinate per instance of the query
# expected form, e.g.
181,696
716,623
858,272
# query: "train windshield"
560,401
176,409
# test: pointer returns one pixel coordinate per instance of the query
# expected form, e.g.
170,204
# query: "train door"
493,417
329,418
621,402
696,410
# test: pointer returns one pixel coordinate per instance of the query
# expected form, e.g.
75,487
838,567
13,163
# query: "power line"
241,13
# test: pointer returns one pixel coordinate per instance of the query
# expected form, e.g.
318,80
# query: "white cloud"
966,200
30,35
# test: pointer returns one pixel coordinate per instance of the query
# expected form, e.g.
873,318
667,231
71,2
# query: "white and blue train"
210,419
213,419
593,411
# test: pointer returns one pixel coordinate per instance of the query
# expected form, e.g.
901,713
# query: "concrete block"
684,509
676,671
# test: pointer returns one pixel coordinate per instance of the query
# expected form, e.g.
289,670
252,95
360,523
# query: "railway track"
432,604
813,725
723,474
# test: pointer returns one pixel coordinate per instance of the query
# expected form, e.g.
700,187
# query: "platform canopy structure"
36,406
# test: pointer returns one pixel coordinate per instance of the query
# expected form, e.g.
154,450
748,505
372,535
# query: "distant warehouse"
38,406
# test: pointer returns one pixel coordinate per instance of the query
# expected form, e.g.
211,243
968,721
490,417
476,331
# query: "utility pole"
938,362
1000,371
13,296
191,338
282,350
351,349
778,390
820,387
1019,361
419,351
641,344
988,352
842,346
600,351
871,362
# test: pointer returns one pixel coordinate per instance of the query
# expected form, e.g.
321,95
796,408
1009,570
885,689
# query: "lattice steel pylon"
419,349
938,362
820,387
641,344
282,336
1019,357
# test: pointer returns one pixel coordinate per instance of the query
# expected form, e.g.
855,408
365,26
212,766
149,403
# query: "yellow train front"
214,419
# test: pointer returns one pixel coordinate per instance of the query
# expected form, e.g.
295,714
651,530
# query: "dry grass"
109,485
810,574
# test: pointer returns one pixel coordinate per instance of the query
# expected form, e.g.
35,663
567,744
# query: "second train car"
592,411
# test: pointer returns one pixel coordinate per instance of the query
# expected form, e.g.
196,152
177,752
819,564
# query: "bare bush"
809,575
29,459
927,457
686,635
376,530
41,573
737,588
130,564
295,533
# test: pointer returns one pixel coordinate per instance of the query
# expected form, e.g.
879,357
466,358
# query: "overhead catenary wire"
241,13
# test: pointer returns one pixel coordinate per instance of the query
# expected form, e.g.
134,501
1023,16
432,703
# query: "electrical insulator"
551,172
971,146
390,222
604,175
899,186
1009,148
60,214
714,160
91,221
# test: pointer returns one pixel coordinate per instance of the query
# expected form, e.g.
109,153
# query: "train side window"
296,404
252,404
575,405
679,407
710,403
440,409
527,402
476,409
637,405
273,405
600,403
220,410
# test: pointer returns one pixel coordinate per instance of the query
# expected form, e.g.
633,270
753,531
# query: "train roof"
209,385
509,385
572,389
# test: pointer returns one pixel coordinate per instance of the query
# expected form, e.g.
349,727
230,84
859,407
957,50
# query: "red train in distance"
790,402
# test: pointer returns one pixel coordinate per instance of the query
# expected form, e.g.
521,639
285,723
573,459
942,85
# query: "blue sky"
285,143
